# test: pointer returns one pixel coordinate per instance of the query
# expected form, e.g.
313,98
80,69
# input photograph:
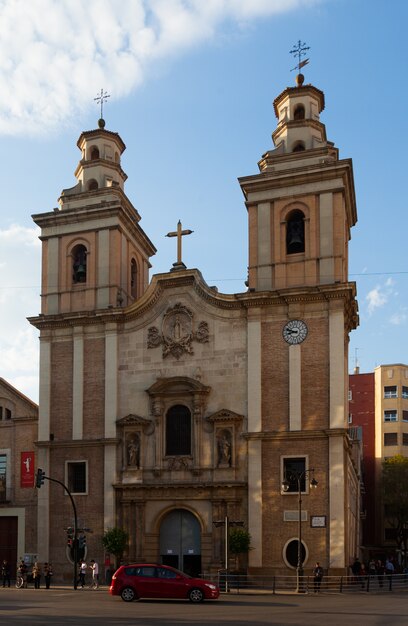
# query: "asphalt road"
66,607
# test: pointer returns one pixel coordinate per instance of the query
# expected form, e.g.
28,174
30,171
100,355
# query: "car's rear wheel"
196,595
128,594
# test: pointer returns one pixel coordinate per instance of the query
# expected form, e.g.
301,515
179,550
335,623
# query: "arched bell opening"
79,254
295,232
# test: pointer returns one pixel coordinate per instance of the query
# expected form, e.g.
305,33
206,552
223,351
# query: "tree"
115,542
395,499
239,543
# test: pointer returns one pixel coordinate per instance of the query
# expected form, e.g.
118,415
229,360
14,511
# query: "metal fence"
234,583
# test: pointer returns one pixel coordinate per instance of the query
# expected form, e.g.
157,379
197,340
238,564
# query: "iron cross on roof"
179,234
103,97
299,51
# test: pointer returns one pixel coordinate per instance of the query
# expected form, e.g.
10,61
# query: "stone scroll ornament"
177,332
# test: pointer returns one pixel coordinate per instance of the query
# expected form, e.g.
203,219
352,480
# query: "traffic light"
39,478
82,541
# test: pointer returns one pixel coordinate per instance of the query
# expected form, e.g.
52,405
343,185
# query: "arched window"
178,430
133,278
295,232
299,147
79,264
92,185
94,153
299,112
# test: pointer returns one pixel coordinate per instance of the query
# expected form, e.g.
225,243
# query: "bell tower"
301,205
301,208
95,255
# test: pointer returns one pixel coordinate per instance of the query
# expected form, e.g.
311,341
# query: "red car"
149,580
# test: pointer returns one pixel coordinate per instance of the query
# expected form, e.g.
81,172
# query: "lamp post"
297,477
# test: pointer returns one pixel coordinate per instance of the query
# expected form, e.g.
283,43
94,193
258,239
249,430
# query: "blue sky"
192,85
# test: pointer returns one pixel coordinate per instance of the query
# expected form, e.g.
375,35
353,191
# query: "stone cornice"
296,434
77,443
192,278
186,486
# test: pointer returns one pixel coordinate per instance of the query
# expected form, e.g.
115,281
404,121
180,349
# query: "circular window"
290,553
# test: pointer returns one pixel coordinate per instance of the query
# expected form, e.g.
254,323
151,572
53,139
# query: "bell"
80,272
295,236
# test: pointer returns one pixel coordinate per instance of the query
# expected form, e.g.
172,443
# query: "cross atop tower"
103,97
299,51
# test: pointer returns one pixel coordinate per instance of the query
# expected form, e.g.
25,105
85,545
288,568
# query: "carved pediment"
176,385
135,420
225,415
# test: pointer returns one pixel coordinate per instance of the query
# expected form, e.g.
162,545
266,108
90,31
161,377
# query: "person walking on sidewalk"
95,574
317,577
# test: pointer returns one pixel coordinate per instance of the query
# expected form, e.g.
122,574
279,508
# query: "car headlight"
211,586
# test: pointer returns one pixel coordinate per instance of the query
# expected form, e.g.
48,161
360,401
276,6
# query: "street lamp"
293,476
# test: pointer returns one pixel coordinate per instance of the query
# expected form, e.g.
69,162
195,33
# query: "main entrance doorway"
180,541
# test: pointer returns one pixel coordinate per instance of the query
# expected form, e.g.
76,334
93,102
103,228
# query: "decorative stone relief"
177,332
178,463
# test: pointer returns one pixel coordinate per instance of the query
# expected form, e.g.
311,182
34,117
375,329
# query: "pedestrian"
5,573
22,571
47,574
95,574
317,577
36,572
82,572
363,575
380,572
356,569
389,570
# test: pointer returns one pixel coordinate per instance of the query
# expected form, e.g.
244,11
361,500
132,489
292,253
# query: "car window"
148,572
132,571
162,572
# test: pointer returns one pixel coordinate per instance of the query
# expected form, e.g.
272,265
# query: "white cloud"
376,299
381,295
20,255
57,55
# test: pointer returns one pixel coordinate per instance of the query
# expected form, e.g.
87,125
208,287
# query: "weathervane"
103,97
299,51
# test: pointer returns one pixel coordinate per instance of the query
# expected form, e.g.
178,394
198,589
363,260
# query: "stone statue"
224,449
133,451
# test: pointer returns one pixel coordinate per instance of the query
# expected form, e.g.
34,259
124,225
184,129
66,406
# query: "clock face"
295,331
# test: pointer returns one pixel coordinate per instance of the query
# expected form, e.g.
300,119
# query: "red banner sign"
27,469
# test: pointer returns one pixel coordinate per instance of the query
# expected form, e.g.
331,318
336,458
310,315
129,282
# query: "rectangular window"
404,392
405,416
76,474
350,418
390,416
390,439
294,473
1,412
390,392
350,395
8,414
405,439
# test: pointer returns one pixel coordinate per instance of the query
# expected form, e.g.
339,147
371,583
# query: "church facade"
170,409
